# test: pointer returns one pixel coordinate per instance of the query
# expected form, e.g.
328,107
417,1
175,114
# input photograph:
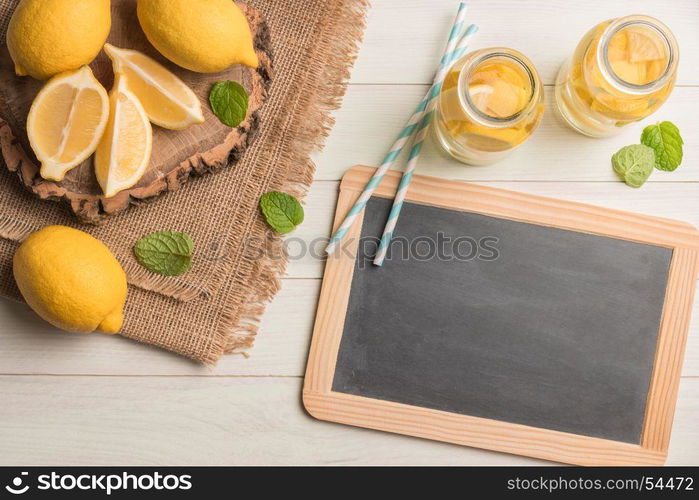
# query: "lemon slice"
66,121
124,151
644,47
480,95
634,73
168,101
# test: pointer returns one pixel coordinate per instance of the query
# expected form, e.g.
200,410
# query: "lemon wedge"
168,101
66,121
123,153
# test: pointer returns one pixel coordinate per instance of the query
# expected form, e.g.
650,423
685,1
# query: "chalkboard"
542,326
506,321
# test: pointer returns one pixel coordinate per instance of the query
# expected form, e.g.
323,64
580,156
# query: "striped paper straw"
420,135
400,142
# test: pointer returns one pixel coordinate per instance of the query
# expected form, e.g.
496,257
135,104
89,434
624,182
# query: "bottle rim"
664,34
465,76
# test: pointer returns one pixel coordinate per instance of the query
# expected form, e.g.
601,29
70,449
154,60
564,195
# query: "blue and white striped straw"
402,139
420,135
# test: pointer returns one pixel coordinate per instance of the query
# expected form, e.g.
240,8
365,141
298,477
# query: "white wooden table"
71,399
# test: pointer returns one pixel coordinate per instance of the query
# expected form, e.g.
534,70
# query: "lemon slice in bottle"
66,121
644,47
167,100
480,96
123,155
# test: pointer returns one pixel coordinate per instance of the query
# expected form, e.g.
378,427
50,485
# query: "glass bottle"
490,103
621,71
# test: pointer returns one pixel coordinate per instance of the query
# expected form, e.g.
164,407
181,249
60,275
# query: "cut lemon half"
66,121
123,154
168,101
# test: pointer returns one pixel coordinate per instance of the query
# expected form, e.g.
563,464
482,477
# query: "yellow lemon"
123,154
71,280
206,36
47,37
167,100
66,121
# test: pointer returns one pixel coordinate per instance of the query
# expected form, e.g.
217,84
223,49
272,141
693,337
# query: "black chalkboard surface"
505,321
522,323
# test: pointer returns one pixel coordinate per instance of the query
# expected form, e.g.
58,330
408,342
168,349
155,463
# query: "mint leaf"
634,164
229,102
666,141
282,211
165,252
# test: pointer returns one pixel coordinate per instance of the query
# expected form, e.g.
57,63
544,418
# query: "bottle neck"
493,55
660,33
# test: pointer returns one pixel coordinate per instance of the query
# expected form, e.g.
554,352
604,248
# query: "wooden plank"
332,305
525,207
223,421
672,200
325,404
672,339
30,346
373,114
479,432
405,38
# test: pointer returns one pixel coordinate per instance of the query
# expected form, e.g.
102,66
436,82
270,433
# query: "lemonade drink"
490,103
622,71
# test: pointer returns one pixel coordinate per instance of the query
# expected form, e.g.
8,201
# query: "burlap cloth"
216,307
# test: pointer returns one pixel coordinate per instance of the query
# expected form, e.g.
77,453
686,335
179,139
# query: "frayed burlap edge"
13,229
322,92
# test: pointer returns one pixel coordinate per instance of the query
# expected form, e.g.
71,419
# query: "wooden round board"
177,154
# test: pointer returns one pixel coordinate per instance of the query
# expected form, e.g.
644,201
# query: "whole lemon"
71,280
206,36
47,37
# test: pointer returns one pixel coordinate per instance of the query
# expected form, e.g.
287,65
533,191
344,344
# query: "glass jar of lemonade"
621,71
490,103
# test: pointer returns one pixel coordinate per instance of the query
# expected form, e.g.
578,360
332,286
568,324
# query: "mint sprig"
634,164
666,141
165,252
229,102
282,211
661,147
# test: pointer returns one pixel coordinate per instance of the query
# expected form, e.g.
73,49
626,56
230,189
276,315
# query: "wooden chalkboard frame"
322,403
